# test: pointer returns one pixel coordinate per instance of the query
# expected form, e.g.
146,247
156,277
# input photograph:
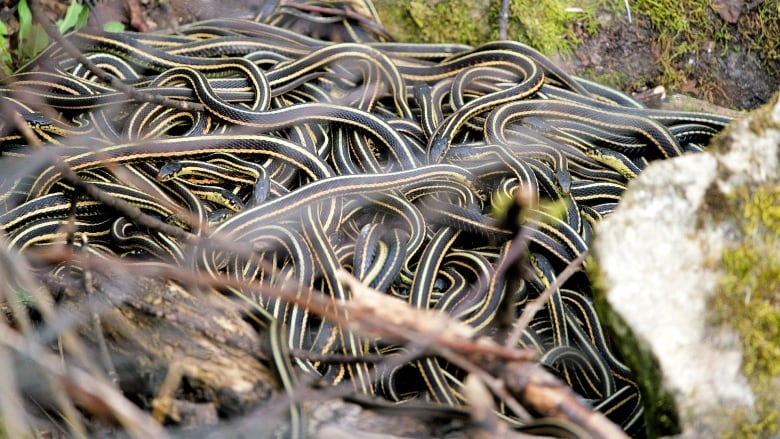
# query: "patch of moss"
685,30
612,78
433,21
690,28
760,28
548,25
748,301
660,410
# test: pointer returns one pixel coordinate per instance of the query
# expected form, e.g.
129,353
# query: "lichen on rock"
688,274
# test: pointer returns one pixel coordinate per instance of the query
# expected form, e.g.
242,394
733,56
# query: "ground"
721,51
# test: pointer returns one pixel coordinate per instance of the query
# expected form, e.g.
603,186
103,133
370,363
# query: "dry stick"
16,278
451,343
550,397
542,390
134,93
487,424
628,11
494,384
407,323
84,387
67,338
316,302
503,19
97,326
11,271
11,404
539,389
351,314
532,308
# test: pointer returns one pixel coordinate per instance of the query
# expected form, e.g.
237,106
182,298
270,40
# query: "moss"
660,413
612,78
455,21
688,29
551,26
747,300
548,25
760,27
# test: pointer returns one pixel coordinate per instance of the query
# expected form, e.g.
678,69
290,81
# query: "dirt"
626,54
622,54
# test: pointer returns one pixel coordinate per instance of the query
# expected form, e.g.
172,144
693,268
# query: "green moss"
433,21
760,28
660,413
689,28
685,30
612,78
548,25
748,301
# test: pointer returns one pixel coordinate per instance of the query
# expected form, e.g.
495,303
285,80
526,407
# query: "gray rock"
658,265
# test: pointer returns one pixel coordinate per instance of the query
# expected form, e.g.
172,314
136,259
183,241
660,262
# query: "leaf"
83,16
113,26
32,39
5,55
37,41
75,17
729,10
690,86
25,22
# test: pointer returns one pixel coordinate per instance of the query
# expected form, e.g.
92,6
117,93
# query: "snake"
395,161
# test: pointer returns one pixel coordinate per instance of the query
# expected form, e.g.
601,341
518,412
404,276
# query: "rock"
685,268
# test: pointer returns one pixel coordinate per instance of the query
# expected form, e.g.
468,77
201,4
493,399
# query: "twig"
11,403
97,327
83,387
550,397
503,20
532,308
628,11
493,383
375,313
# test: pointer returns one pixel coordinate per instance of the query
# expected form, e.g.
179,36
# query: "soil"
622,54
628,51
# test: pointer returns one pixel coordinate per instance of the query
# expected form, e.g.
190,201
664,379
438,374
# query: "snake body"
391,160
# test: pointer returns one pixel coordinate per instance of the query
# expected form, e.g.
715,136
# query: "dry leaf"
690,86
729,10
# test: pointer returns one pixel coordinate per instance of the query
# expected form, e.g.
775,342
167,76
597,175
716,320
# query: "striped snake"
391,160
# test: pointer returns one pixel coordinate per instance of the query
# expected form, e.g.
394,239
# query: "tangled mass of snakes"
412,166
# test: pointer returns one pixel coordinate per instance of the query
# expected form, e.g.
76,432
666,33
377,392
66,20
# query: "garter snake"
171,148
372,157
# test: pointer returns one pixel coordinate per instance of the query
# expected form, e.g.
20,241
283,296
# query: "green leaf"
6,60
113,26
25,22
32,39
75,17
36,42
83,16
